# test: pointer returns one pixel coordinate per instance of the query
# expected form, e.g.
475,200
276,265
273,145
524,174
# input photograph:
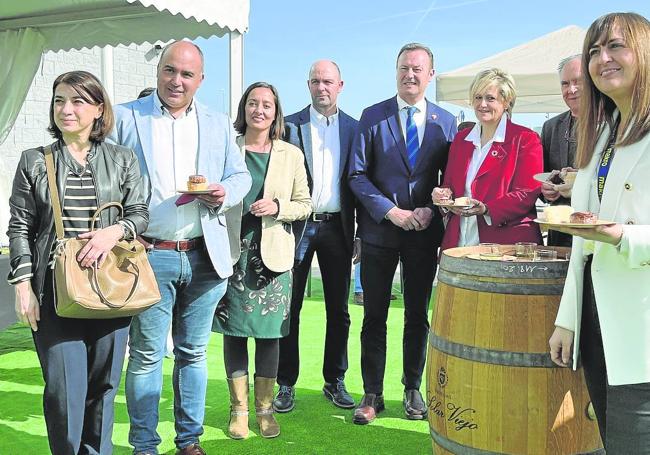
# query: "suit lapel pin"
434,116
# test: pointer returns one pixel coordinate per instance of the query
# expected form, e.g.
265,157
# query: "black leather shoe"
414,406
337,394
367,411
285,399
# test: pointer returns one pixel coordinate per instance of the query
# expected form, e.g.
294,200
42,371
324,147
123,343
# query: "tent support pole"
236,66
107,72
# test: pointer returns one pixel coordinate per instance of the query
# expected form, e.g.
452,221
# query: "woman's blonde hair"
596,108
495,76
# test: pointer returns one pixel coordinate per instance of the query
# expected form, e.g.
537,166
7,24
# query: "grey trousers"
623,411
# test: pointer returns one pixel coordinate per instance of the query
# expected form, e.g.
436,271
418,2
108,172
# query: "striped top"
79,203
79,206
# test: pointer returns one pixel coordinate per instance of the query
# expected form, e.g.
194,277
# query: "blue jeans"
357,278
190,290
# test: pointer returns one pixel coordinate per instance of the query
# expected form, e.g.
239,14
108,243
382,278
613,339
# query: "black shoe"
285,399
337,394
414,406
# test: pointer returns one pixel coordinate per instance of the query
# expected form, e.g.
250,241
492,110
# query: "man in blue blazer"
399,152
324,133
174,137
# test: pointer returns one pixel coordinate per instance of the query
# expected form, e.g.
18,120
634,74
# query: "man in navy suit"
399,152
324,133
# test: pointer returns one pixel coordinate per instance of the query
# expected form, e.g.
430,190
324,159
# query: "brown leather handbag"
125,285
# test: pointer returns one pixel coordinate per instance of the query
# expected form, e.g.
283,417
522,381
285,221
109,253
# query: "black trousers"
82,362
623,411
326,239
418,268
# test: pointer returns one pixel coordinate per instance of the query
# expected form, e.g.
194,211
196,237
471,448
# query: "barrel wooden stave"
478,407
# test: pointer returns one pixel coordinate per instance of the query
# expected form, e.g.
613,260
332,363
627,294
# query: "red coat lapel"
493,159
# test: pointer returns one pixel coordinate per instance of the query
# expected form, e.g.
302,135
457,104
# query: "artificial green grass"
315,426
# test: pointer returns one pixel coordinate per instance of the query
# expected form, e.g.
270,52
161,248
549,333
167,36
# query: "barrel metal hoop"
502,269
471,282
461,449
491,356
456,448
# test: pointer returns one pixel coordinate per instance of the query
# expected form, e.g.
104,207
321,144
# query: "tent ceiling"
533,66
76,24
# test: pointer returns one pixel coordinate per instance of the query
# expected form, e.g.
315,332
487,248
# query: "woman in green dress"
256,304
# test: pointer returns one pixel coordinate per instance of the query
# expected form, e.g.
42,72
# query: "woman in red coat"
492,164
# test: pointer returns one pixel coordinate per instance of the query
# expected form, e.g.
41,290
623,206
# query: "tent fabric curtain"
77,24
532,64
232,15
21,52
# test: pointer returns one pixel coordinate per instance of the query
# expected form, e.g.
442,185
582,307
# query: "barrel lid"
456,260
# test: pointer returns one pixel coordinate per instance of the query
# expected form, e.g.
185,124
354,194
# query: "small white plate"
194,192
542,177
458,206
543,222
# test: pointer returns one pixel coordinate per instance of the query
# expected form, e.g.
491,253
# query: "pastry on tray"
463,200
583,218
557,214
197,183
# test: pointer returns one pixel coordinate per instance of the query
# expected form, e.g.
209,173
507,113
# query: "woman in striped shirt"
81,359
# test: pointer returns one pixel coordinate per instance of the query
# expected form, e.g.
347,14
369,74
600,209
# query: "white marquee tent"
533,66
30,27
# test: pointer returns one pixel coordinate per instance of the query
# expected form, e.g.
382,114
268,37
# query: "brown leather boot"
238,425
269,427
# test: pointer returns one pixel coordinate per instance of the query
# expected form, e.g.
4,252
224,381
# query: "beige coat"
621,276
286,181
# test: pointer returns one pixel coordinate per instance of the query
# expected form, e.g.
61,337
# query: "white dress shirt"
469,224
175,142
419,116
326,160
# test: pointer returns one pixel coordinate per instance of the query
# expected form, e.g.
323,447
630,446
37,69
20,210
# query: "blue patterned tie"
412,144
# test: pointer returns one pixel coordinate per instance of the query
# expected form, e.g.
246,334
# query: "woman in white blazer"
604,313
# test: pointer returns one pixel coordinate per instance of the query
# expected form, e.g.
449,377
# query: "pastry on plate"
557,214
197,183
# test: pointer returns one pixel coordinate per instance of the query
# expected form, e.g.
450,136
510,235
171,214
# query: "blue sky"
364,36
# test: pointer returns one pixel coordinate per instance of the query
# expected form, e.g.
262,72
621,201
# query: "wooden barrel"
491,385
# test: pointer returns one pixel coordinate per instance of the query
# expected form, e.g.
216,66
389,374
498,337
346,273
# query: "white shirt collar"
160,109
319,118
420,105
474,136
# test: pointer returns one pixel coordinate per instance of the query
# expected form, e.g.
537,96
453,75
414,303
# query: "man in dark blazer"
399,152
324,133
559,137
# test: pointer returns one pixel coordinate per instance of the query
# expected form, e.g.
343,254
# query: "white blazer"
219,160
621,276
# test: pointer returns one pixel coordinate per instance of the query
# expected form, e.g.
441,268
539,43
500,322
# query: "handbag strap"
104,207
100,292
54,191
